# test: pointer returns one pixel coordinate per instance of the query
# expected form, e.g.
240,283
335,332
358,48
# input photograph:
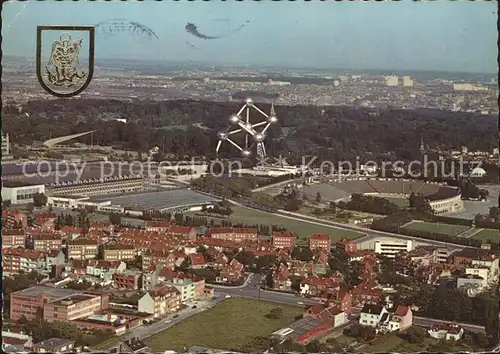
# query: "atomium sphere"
234,119
245,153
259,137
222,135
272,119
249,101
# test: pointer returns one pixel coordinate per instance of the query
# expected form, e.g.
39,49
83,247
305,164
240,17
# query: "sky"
456,36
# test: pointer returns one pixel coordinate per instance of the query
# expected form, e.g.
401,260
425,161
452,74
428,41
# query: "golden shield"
65,58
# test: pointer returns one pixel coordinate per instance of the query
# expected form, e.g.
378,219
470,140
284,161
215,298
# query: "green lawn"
436,227
400,202
303,229
487,234
228,325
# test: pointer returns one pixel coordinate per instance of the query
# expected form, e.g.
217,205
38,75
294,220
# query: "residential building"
14,219
83,249
327,314
157,225
372,315
160,301
401,319
47,242
234,234
320,241
153,258
187,232
55,345
346,245
75,306
127,280
283,239
231,272
15,260
316,286
29,302
186,288
13,238
341,299
55,257
197,260
446,331
390,248
104,269
119,252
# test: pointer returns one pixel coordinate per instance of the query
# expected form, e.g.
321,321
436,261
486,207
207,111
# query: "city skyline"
415,37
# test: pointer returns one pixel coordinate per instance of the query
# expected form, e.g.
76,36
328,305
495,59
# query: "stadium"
442,198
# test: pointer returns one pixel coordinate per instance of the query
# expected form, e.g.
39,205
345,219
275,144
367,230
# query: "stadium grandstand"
442,198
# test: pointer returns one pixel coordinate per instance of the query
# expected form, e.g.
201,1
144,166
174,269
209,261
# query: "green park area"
302,228
446,229
487,234
232,324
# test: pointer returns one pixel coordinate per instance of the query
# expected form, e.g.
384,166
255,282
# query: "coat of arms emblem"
65,66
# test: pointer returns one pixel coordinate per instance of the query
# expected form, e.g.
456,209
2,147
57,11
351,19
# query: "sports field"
228,325
303,229
487,234
436,227
400,202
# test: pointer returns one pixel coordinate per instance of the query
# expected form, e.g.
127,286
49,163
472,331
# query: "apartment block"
47,242
320,241
13,238
119,252
283,239
83,248
234,234
160,301
72,307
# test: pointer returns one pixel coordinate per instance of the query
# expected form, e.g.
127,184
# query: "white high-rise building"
392,80
6,147
407,81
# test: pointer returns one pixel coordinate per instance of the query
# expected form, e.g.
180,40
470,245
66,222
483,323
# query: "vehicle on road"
300,303
227,296
194,307
168,321
176,315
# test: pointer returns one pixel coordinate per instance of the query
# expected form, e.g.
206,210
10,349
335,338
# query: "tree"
318,197
246,258
494,212
115,218
302,254
333,207
270,279
39,199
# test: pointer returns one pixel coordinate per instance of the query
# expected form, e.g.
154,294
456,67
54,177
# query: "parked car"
194,307
227,296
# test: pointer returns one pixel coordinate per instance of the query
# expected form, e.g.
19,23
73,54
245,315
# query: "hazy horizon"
459,37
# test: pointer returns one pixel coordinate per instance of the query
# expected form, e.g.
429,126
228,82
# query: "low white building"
20,193
389,248
446,331
372,315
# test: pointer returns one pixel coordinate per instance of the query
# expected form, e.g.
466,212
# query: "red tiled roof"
319,237
197,259
401,311
284,234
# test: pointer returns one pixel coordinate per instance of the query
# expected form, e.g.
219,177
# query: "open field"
436,227
302,228
487,234
228,325
400,202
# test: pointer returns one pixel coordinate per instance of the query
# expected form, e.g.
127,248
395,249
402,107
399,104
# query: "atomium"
254,133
